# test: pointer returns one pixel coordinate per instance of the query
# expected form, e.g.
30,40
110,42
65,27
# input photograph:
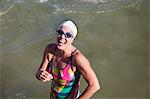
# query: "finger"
45,73
42,77
44,81
45,77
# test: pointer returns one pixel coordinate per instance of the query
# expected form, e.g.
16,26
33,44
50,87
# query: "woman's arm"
89,75
42,74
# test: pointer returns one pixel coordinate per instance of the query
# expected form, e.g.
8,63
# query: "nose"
62,35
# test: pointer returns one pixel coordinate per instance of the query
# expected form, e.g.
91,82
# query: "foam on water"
76,6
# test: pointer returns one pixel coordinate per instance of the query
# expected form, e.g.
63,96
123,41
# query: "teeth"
60,41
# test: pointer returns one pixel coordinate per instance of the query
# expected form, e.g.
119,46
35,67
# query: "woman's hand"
43,75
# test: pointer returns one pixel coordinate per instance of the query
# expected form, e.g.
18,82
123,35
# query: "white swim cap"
71,25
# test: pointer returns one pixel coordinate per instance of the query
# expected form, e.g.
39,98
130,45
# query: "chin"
61,47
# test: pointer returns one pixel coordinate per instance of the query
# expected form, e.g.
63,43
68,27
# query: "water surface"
113,34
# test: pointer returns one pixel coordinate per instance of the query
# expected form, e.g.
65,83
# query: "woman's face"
64,38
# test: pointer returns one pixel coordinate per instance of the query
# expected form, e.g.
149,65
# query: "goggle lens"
67,34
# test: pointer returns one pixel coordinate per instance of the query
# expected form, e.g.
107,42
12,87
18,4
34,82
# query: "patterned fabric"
65,83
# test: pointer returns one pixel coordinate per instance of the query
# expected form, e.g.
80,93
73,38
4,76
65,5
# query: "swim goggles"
67,34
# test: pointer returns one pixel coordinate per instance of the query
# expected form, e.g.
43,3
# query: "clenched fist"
44,76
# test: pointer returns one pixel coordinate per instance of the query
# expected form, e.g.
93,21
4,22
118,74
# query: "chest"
62,64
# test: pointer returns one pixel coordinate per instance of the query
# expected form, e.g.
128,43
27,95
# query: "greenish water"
112,34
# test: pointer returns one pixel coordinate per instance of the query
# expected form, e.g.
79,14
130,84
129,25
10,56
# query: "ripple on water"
29,34
75,6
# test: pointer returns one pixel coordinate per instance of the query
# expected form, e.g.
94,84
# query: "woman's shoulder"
51,47
78,55
80,60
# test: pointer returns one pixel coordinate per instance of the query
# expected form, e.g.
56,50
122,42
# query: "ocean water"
113,34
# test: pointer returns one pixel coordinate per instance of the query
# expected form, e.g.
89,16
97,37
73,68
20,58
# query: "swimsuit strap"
74,51
72,55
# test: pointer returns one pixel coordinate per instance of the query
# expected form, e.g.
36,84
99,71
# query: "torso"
65,75
61,60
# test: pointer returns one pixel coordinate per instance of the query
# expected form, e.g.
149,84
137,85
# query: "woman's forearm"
89,91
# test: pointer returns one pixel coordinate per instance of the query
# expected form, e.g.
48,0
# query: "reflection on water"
115,31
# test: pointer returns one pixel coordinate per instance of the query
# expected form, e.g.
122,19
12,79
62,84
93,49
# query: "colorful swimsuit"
65,83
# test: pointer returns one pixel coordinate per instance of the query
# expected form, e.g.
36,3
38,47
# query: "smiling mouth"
60,42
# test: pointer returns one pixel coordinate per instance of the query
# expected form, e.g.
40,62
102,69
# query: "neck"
66,52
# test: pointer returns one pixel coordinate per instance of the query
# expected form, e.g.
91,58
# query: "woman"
63,63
